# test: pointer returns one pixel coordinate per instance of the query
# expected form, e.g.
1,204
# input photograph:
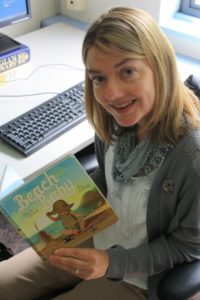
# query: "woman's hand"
86,263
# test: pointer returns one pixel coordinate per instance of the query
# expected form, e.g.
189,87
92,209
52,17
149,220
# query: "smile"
124,105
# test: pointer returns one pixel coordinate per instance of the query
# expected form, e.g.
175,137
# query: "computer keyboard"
37,127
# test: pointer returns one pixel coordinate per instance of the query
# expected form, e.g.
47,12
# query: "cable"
49,65
32,73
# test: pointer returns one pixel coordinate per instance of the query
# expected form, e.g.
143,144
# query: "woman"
147,142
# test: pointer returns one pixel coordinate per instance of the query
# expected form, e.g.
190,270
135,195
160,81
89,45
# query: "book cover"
14,58
61,207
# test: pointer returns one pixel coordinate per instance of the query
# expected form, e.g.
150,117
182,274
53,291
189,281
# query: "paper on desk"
10,181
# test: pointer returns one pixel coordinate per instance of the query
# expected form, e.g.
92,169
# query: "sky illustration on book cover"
60,206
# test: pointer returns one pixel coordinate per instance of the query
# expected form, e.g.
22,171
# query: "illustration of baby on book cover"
61,207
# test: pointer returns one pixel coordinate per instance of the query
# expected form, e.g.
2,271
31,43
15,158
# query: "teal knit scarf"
131,159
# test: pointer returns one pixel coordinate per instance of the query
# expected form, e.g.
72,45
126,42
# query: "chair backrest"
193,82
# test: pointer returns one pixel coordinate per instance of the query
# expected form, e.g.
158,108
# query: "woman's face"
124,87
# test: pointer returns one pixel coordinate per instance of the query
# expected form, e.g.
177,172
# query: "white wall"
167,9
40,9
96,7
162,10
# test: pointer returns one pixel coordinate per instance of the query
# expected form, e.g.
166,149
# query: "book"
7,43
15,57
18,73
60,207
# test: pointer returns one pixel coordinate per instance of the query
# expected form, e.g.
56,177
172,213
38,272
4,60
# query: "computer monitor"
14,11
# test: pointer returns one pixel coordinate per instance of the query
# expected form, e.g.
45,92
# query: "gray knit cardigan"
173,216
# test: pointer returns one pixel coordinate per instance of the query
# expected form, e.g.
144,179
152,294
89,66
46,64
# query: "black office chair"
193,82
87,158
181,283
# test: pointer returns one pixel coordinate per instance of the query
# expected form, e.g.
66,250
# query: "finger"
68,263
82,253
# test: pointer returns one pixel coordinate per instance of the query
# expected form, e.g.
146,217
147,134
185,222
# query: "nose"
113,90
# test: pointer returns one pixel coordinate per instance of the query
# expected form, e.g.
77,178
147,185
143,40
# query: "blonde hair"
134,33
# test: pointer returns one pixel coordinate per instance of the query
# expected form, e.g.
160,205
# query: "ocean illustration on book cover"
61,207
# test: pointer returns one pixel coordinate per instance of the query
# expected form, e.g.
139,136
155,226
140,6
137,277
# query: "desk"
58,44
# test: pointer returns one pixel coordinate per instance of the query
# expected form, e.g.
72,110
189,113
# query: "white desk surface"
59,44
